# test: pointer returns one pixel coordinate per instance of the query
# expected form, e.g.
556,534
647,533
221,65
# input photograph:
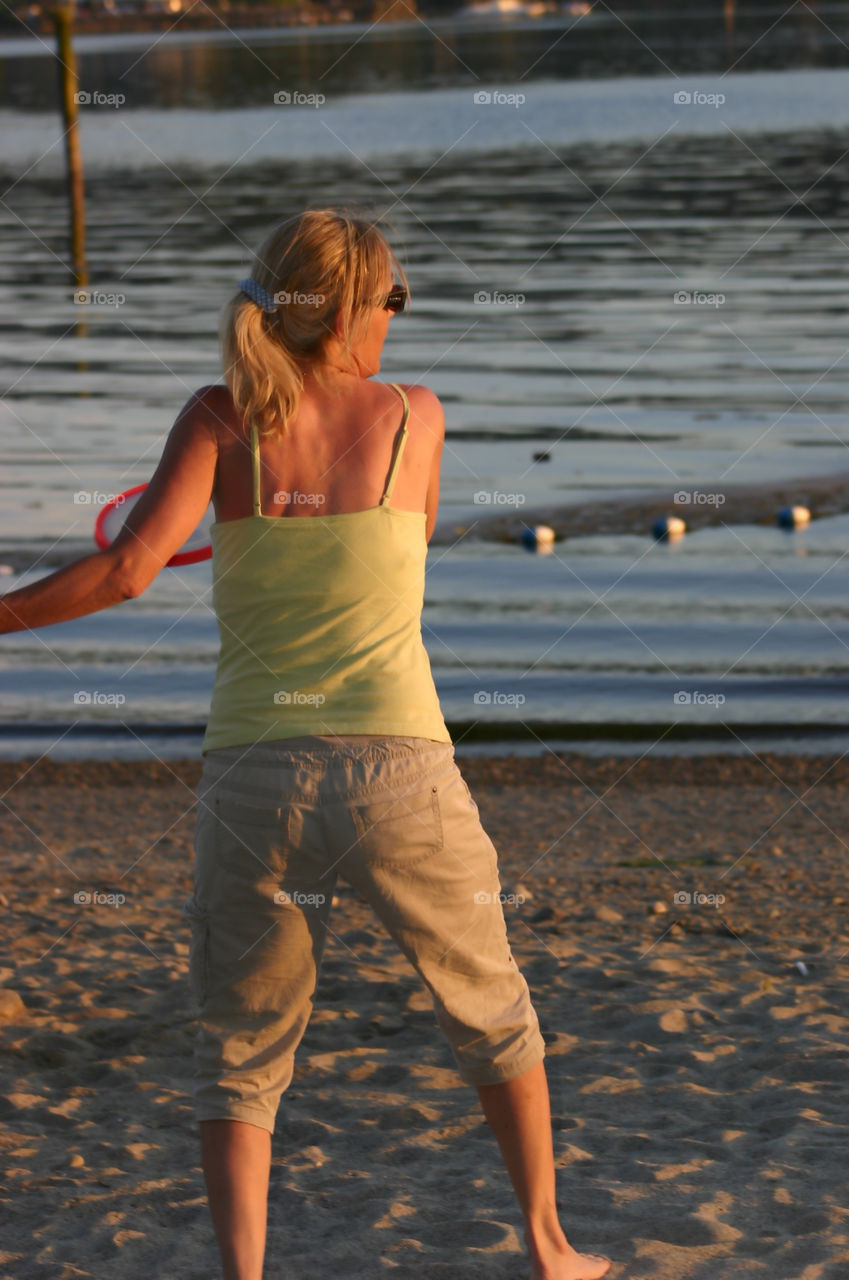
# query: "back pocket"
254,839
400,828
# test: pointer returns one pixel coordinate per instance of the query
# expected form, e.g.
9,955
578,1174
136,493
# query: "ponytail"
320,265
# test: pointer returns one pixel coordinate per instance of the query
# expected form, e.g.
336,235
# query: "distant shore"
198,17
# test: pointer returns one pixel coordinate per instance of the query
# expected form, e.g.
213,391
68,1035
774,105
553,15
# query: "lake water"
589,205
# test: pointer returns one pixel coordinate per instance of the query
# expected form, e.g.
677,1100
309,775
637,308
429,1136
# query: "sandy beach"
696,1050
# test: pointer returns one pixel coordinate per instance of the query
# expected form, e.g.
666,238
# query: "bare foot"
562,1262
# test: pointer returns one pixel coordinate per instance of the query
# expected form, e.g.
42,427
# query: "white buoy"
539,538
669,528
793,517
6,569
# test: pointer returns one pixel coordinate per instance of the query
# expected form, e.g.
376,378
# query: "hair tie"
257,294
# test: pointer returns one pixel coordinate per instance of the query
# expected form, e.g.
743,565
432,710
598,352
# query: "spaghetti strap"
255,469
399,444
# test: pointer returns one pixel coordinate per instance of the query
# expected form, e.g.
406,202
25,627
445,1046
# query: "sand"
697,1072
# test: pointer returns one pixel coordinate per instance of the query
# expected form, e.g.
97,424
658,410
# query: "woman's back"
334,458
320,618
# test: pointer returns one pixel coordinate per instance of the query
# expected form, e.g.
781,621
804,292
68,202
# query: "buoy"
793,517
6,569
669,527
539,538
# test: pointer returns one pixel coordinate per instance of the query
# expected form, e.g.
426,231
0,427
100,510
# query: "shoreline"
566,768
745,504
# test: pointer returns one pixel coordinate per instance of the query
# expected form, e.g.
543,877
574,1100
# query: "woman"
326,752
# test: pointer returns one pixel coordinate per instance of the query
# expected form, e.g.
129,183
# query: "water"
596,201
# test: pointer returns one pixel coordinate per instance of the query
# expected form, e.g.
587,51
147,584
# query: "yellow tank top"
320,622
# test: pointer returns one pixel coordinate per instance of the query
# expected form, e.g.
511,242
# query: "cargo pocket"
198,950
400,829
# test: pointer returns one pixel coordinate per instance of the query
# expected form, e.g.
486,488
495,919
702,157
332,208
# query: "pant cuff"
236,1111
497,1073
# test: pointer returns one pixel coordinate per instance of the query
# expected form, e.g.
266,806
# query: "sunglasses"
396,300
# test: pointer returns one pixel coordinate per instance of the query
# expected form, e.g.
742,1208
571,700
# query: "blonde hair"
325,263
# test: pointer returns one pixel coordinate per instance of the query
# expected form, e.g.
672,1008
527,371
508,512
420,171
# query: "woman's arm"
85,586
168,511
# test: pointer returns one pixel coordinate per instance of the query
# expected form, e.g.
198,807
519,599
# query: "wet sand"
701,505
696,1051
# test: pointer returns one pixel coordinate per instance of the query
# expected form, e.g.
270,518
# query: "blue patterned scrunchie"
258,295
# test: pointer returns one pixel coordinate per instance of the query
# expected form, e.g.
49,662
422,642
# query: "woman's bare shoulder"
425,404
214,405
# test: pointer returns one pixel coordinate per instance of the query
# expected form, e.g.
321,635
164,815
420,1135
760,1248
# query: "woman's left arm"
168,511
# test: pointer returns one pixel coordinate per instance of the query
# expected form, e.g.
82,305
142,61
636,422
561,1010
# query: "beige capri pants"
276,823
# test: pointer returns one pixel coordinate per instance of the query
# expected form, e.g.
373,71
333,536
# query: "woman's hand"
166,514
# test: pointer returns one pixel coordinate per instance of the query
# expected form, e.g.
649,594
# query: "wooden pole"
68,82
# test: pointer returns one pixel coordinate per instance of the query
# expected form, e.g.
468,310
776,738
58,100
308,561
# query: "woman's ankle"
544,1234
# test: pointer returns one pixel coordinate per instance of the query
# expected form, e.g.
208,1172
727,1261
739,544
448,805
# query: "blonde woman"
326,752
